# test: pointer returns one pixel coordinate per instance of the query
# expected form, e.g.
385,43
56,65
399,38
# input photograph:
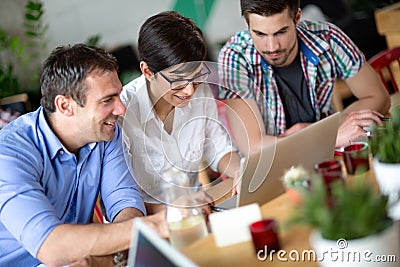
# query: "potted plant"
20,56
385,148
295,180
351,224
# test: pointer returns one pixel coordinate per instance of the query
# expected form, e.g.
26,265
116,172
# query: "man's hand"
351,126
158,223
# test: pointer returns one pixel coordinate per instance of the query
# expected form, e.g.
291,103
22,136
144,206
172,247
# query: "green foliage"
353,210
127,76
385,140
35,28
18,53
94,40
8,81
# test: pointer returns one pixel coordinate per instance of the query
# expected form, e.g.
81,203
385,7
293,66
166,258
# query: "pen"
217,209
385,119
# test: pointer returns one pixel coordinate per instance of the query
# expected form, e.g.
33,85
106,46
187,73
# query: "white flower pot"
377,250
388,177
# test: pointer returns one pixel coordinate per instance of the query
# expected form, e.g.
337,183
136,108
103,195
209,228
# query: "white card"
232,226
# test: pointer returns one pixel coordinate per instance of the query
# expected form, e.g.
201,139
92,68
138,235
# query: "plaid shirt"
326,54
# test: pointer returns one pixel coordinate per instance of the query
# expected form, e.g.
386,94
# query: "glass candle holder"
356,158
264,235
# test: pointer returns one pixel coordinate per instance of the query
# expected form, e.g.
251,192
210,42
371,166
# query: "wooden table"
296,238
205,253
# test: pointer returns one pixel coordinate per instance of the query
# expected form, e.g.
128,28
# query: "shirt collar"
52,142
143,100
310,45
146,106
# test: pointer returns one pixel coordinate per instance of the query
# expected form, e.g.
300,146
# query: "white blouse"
196,135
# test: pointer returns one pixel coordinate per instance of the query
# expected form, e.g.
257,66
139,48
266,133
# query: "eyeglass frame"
187,80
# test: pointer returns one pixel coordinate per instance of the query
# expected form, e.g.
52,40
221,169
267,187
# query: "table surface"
295,238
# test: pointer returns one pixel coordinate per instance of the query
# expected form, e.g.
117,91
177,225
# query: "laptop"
262,172
149,249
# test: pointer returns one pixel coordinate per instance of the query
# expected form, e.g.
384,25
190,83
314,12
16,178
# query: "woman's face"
176,85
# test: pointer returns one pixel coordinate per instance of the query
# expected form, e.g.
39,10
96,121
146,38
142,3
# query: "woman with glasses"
171,117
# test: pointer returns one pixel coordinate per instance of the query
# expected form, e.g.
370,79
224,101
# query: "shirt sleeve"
349,58
235,71
119,189
220,142
25,211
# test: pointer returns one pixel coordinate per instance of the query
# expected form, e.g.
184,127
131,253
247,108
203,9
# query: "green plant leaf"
385,141
349,211
22,51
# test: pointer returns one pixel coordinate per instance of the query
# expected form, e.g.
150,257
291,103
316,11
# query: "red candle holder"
265,238
356,158
330,171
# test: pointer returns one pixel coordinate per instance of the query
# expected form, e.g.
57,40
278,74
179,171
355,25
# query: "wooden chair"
387,64
17,103
12,107
98,213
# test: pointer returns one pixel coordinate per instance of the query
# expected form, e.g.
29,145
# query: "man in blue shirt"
55,161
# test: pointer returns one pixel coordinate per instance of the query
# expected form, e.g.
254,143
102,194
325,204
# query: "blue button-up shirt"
43,185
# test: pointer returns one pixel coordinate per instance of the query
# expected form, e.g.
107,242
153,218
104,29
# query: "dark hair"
167,39
65,70
268,7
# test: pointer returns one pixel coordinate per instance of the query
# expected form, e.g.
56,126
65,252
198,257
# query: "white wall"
118,21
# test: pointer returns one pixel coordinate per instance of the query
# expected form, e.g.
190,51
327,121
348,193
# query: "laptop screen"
149,255
148,249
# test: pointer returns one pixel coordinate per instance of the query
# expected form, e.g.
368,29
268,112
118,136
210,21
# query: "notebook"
262,172
149,249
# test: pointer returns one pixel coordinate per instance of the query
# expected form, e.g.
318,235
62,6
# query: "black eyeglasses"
182,83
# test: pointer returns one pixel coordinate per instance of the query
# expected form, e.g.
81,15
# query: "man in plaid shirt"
288,68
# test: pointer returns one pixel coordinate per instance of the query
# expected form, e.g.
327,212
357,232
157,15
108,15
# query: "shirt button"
62,152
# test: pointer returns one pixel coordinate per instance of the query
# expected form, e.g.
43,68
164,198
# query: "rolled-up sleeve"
25,210
119,189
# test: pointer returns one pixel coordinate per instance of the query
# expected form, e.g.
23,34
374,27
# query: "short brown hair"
267,8
65,70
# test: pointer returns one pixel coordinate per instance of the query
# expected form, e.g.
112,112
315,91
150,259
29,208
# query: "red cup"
356,158
264,234
330,171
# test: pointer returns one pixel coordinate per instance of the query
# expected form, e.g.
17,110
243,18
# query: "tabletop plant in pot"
351,224
296,180
385,149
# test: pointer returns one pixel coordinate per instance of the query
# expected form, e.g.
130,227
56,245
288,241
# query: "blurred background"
29,30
